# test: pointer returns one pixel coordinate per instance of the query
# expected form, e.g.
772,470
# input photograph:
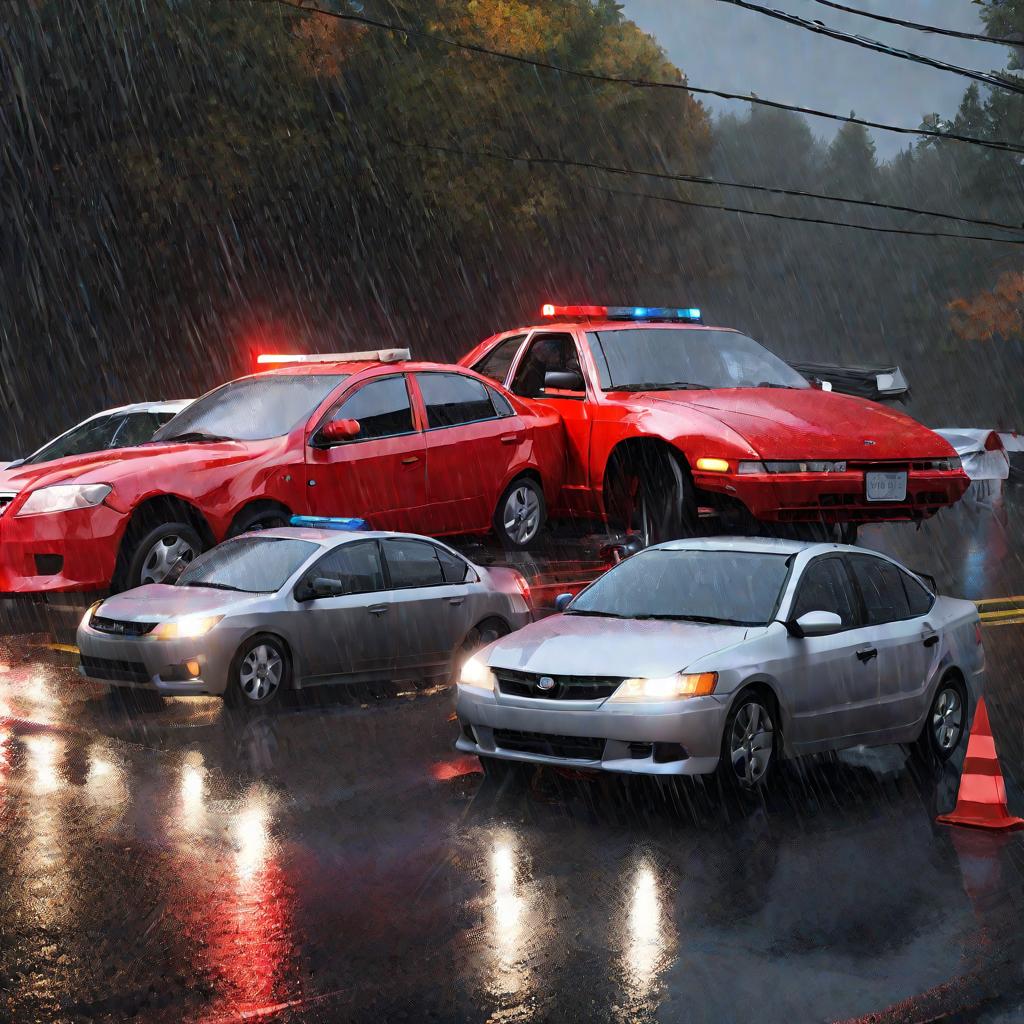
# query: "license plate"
886,486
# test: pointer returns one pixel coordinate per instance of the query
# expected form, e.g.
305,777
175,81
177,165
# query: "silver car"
727,654
295,607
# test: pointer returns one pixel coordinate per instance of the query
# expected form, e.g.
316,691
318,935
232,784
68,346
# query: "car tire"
746,763
260,672
653,497
521,514
945,725
266,518
154,555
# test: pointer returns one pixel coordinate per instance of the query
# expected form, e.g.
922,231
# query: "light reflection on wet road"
337,861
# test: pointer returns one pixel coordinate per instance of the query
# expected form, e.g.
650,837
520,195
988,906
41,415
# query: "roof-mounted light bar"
380,355
671,313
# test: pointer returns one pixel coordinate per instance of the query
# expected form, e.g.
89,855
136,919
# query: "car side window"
452,399
355,567
453,568
136,428
918,598
881,588
496,363
825,587
547,352
412,563
502,406
381,407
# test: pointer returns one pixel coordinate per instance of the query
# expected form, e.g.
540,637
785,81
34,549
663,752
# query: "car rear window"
255,565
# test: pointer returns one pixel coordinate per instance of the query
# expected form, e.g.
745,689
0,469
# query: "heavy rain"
511,510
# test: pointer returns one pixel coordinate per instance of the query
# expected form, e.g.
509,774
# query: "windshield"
650,358
737,587
255,565
251,409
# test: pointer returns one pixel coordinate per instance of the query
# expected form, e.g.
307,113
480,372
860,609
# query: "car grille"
6,497
120,627
524,684
118,671
578,748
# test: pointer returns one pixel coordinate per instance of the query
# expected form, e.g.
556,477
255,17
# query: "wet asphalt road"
337,861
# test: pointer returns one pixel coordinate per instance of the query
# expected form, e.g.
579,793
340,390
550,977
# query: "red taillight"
582,311
977,633
993,443
524,587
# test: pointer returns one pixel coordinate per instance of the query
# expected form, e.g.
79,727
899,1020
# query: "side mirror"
319,586
816,624
562,602
563,380
339,431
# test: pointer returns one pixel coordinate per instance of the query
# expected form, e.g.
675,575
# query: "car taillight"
993,443
977,633
524,587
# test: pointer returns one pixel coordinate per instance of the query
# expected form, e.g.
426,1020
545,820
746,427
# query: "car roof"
586,324
762,545
176,405
327,538
331,368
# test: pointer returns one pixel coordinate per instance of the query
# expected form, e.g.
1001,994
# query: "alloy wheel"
751,743
521,515
260,673
947,719
166,554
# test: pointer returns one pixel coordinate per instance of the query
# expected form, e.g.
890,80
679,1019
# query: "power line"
804,220
698,179
874,44
933,29
642,83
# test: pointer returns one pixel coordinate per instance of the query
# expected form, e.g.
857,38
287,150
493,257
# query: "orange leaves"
998,313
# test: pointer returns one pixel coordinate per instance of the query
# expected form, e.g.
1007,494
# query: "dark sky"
721,46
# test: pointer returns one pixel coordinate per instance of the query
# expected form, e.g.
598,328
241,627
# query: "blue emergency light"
689,314
330,522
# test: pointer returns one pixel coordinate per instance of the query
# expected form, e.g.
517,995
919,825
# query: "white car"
728,654
122,427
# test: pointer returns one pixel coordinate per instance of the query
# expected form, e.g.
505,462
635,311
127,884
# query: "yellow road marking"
63,648
999,600
1009,614
1004,622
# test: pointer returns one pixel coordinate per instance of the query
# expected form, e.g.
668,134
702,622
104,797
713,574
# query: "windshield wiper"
681,385
212,586
584,611
195,436
772,384
696,618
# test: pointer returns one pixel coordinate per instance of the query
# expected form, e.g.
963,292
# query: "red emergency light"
671,313
582,311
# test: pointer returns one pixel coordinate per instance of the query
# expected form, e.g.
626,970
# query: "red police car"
669,420
421,447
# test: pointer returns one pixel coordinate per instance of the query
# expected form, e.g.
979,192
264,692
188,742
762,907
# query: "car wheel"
749,743
946,723
653,497
160,554
260,519
259,673
520,514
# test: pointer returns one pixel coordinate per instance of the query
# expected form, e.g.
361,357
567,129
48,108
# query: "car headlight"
89,613
810,466
476,674
186,628
673,687
63,498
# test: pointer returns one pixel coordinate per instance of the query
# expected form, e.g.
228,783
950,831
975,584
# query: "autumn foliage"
997,313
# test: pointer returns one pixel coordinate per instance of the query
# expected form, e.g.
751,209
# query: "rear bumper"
60,551
835,497
615,738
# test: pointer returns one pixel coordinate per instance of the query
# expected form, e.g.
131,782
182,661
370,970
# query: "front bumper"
145,663
60,551
837,497
633,738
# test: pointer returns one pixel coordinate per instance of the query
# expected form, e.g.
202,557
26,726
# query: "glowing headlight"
809,466
187,628
666,687
89,613
63,498
476,674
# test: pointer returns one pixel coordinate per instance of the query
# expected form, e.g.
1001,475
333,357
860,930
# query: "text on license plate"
886,486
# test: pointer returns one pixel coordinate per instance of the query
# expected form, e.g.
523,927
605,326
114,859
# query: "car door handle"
377,609
511,438
455,601
931,640
410,459
867,653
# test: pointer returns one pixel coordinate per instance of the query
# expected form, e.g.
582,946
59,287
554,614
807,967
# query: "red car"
670,421
420,447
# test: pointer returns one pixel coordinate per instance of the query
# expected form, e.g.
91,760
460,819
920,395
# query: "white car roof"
764,545
331,538
174,406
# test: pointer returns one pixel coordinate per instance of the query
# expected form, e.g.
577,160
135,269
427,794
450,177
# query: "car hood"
782,423
578,645
156,602
113,464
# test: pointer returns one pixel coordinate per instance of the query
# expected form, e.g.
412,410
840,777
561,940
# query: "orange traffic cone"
981,802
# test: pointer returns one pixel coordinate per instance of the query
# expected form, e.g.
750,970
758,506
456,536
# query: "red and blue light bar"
674,313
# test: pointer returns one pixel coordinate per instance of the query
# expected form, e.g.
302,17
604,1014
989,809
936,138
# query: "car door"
345,638
907,646
831,682
428,617
473,440
380,473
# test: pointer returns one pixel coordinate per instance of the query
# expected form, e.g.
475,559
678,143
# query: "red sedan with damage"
411,446
670,421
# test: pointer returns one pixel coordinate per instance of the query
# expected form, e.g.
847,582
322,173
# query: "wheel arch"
273,634
256,505
171,507
632,450
767,688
